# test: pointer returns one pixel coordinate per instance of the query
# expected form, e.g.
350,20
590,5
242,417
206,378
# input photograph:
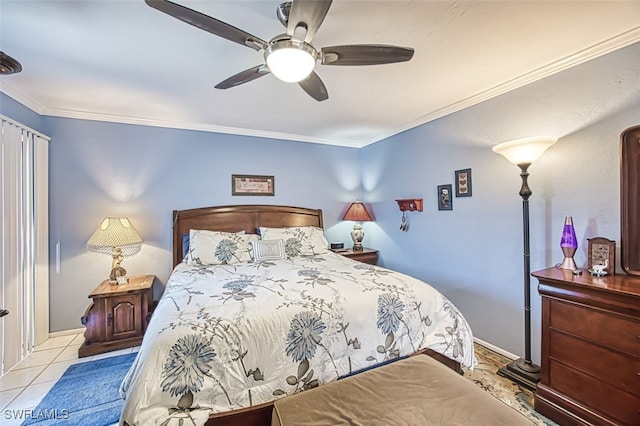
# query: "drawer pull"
109,319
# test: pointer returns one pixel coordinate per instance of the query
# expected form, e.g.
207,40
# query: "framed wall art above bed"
252,185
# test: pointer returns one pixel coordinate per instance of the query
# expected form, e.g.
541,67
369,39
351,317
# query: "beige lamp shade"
524,151
114,233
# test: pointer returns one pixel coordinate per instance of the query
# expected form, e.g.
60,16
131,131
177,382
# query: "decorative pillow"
298,240
219,248
268,250
185,245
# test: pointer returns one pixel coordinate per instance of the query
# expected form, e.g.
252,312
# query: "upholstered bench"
414,391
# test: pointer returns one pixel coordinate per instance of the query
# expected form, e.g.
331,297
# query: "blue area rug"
86,394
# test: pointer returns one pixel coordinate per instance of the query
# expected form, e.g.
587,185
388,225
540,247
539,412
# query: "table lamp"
569,245
117,237
358,213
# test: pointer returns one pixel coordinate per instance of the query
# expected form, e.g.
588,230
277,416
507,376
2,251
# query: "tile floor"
27,383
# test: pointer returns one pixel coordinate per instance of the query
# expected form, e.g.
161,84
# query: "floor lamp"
522,153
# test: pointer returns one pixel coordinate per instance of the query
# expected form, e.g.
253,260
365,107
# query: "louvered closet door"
23,240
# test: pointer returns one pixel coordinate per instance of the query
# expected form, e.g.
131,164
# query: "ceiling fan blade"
314,87
365,54
207,23
308,13
243,77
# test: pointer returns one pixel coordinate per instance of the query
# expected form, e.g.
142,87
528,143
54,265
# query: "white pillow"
219,248
268,250
298,240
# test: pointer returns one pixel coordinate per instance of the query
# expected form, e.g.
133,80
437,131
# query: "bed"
231,334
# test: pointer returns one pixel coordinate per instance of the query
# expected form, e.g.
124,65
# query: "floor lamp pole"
524,371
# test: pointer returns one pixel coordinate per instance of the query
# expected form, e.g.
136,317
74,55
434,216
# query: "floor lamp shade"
358,213
523,152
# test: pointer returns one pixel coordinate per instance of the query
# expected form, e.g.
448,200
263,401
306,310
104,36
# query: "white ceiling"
123,61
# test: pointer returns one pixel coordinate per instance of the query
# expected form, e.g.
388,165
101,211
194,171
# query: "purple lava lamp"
568,244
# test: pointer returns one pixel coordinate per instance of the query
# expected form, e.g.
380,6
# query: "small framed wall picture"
601,251
463,183
252,185
445,200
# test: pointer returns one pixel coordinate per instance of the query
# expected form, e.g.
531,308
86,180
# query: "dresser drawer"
588,391
607,330
615,368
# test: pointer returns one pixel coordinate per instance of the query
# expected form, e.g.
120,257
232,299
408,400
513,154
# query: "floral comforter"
231,336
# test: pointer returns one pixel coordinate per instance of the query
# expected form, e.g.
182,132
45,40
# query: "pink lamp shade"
568,244
358,213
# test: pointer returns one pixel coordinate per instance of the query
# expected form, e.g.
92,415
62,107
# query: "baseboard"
68,332
495,348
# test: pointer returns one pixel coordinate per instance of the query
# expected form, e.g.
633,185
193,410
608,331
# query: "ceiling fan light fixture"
290,61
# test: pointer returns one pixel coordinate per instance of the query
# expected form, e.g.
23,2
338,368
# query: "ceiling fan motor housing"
283,13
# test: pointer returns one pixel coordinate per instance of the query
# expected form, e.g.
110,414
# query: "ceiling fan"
290,57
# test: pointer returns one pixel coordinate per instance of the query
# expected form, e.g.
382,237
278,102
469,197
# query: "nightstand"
365,255
118,316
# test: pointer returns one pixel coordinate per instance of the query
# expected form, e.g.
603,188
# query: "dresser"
118,316
590,356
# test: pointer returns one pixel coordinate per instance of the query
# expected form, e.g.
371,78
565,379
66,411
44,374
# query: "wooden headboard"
238,218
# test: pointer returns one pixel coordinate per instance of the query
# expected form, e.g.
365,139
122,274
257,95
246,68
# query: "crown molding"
607,46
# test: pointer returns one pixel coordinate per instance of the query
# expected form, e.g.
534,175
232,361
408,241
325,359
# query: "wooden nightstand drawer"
365,255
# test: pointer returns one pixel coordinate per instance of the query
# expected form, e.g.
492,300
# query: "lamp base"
117,274
357,235
524,373
568,263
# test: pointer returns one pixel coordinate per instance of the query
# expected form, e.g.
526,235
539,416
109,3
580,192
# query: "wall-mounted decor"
408,205
445,200
463,183
601,252
252,185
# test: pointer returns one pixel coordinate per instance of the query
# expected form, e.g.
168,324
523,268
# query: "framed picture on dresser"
601,251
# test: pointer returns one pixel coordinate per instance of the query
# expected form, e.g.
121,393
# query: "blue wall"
102,169
20,113
473,254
